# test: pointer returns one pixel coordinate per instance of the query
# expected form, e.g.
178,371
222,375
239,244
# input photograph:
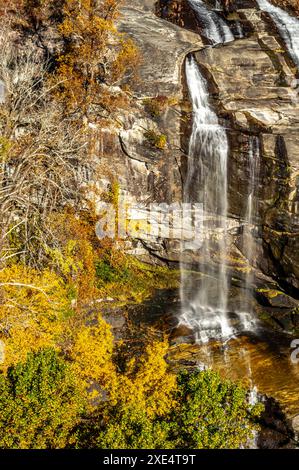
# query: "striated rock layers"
253,88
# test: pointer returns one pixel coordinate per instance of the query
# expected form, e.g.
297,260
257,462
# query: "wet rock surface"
277,431
253,88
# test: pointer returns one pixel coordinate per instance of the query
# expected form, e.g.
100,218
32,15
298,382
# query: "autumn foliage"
291,5
95,56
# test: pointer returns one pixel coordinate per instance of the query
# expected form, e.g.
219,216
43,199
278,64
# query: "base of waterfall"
259,359
208,324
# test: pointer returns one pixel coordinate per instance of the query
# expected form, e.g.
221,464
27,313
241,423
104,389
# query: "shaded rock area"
277,432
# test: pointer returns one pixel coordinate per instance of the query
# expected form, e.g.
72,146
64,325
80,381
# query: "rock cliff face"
146,173
255,91
253,88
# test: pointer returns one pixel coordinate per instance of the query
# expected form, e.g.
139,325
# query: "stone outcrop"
163,47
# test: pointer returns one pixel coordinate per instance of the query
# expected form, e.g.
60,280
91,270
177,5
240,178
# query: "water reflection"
260,363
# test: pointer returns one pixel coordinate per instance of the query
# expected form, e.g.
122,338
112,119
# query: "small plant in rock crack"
159,141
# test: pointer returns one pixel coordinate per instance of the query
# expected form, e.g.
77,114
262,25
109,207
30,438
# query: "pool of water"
262,362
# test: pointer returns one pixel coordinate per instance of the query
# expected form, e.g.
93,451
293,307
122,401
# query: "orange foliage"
74,251
96,56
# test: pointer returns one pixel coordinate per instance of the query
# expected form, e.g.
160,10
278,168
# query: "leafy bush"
291,5
107,273
125,278
156,106
40,403
138,400
212,413
202,411
33,308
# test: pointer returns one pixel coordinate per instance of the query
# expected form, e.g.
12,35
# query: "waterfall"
204,300
218,6
215,28
247,319
239,30
288,27
252,202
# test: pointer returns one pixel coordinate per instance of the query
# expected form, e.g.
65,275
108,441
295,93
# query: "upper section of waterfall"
214,27
203,115
288,27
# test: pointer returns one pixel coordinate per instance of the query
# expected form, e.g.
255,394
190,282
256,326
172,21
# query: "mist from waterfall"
215,28
287,25
204,300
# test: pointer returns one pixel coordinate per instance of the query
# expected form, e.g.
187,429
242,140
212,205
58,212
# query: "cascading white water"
239,30
246,316
218,6
288,27
215,28
252,203
204,302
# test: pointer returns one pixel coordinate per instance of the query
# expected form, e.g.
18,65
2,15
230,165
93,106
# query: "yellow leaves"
127,59
147,384
32,290
92,353
66,28
5,146
33,306
28,338
66,261
159,141
159,384
33,316
95,56
84,25
74,258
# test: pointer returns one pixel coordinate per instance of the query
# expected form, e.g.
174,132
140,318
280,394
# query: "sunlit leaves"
95,56
32,310
212,413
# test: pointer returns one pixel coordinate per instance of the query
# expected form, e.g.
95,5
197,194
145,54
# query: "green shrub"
40,403
156,106
159,141
212,413
208,413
